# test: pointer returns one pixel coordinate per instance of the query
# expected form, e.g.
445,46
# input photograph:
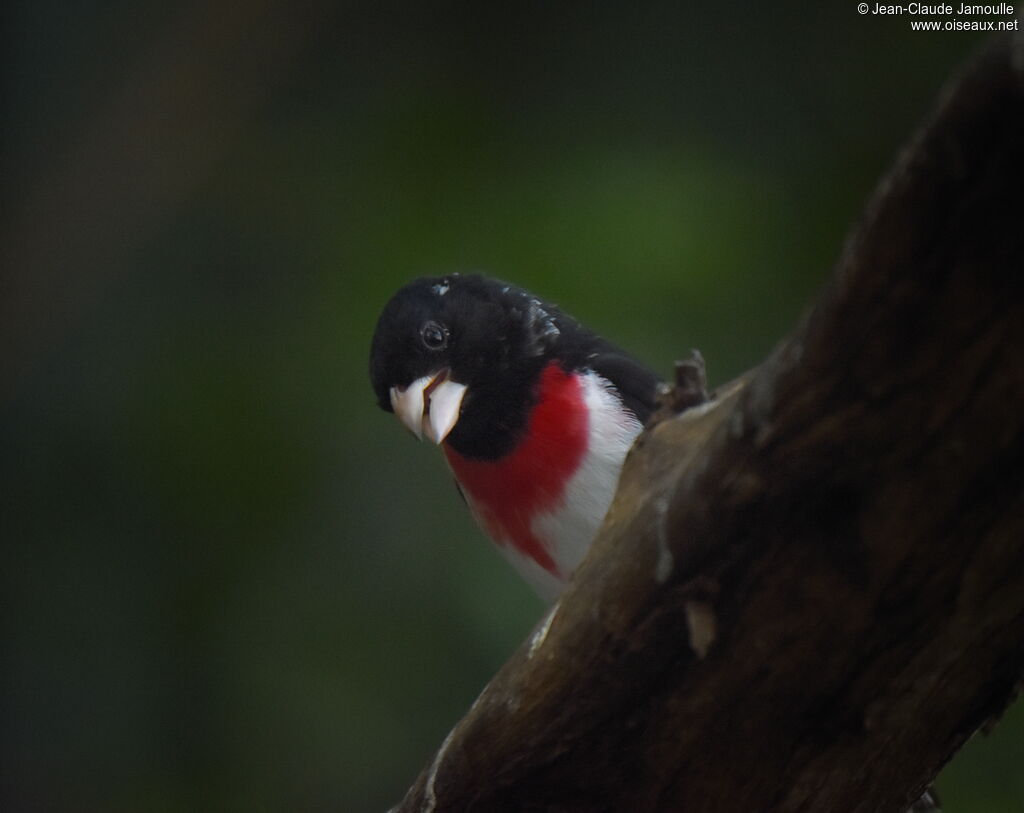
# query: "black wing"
637,385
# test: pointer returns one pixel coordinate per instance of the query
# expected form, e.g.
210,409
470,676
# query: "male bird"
534,412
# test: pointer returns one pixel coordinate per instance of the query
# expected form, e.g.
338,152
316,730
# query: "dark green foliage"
231,583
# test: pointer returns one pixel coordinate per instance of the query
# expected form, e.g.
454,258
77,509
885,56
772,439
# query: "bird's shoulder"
635,384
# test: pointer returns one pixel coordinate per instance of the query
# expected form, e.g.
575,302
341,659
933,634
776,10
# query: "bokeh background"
229,582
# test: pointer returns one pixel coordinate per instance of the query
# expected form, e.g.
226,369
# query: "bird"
533,411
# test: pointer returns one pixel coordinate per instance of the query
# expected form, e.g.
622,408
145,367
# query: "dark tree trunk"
809,591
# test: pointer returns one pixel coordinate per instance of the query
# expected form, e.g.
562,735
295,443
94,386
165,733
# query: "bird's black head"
457,357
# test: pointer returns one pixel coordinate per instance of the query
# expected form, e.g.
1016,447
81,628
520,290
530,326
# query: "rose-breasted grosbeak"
534,412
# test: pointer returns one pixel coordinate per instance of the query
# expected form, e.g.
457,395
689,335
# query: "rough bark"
809,592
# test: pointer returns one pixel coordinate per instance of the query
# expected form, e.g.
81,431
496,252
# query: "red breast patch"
531,479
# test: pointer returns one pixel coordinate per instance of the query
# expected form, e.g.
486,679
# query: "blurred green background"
230,582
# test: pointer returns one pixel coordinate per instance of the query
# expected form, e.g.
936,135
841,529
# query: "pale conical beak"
429,406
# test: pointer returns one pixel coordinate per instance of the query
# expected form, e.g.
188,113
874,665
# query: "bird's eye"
434,336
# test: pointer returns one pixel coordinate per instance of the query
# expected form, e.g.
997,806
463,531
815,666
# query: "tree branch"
809,591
